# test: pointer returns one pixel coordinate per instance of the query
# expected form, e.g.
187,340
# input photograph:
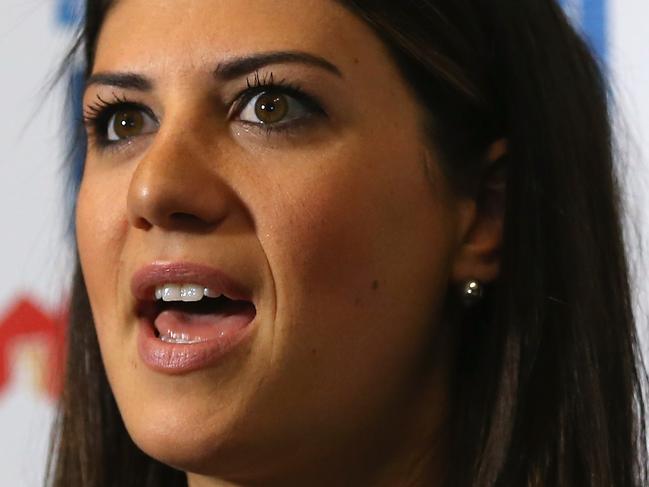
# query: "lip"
181,358
145,280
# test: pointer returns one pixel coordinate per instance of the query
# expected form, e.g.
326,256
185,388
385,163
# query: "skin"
344,229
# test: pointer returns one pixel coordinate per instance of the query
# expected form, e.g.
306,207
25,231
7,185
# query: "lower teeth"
184,338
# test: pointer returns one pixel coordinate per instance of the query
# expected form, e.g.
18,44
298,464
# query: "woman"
347,243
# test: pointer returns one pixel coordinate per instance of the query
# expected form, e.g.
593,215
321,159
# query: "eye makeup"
290,109
98,115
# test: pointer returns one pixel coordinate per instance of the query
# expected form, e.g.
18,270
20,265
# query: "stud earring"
472,292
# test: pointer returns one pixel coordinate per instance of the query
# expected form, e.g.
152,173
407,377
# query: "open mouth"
190,313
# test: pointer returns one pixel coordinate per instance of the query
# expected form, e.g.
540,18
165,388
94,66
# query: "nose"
175,185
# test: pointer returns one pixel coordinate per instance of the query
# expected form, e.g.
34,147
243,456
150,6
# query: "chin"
187,447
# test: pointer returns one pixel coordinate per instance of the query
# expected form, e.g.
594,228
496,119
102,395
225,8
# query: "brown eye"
274,108
271,108
129,122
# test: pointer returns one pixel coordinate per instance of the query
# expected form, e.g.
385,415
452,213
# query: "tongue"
177,326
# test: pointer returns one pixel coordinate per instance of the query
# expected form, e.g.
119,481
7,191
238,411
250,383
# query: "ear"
481,222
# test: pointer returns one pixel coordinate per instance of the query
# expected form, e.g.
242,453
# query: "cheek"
367,224
360,258
101,227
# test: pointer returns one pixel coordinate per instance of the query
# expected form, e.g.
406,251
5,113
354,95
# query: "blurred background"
36,243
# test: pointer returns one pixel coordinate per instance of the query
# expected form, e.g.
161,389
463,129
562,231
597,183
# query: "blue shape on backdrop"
590,16
69,12
69,15
78,155
595,26
77,143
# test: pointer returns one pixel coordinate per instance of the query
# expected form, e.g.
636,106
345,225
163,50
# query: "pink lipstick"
190,315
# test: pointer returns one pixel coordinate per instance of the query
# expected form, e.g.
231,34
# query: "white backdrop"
35,257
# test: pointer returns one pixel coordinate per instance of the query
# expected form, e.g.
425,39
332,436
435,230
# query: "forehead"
188,34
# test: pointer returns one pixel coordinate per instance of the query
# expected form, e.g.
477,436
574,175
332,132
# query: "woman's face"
268,150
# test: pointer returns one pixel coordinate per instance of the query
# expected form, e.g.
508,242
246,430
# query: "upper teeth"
183,292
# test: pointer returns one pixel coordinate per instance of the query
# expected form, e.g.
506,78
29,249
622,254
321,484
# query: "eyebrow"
225,71
121,80
237,67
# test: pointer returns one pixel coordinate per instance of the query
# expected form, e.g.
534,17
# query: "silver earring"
472,292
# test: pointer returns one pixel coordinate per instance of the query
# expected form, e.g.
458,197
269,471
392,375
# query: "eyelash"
97,115
267,83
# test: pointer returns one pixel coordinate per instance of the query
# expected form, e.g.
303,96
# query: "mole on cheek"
374,287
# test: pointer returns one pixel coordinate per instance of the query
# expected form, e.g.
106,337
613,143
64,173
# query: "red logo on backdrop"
25,323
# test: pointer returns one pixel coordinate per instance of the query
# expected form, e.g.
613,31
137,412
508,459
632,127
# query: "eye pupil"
271,108
128,123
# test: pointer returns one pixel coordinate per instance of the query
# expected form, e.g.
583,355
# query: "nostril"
178,221
189,222
141,223
184,217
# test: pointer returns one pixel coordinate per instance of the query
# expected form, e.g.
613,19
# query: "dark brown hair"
548,386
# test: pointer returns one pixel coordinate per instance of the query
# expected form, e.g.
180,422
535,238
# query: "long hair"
548,385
